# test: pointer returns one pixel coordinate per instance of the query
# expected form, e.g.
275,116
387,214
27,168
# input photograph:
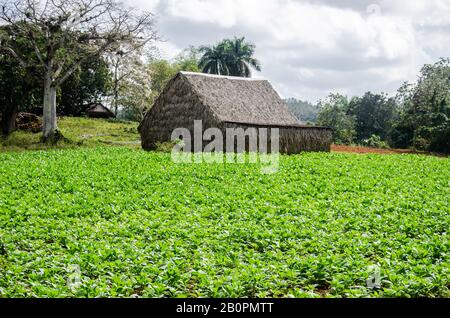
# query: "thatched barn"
227,102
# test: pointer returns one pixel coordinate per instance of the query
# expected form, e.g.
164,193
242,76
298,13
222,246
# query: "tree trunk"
9,119
116,89
116,102
50,125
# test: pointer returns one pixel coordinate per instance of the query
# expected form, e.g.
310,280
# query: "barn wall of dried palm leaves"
292,139
177,107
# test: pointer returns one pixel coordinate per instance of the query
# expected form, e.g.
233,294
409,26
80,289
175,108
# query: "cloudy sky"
310,48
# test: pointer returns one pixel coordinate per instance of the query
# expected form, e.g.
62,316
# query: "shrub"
375,141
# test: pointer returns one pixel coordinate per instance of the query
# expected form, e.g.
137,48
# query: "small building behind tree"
98,110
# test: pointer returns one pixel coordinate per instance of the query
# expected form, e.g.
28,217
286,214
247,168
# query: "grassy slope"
81,132
135,223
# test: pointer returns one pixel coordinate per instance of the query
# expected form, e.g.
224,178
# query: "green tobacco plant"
118,222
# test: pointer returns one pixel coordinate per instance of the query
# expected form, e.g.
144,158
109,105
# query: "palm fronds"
232,57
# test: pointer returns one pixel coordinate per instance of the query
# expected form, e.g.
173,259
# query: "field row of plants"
123,222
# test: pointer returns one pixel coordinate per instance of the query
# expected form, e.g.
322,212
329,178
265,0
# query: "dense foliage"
358,119
120,222
373,114
418,117
333,114
20,88
162,70
425,110
90,83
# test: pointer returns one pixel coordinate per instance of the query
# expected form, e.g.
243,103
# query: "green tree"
233,57
424,120
374,115
12,83
214,59
90,83
188,60
162,70
241,58
19,87
333,113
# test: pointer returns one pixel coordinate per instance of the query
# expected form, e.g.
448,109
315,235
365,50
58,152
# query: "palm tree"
229,57
241,57
214,59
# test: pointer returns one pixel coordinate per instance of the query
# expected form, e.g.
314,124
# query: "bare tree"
122,64
135,90
116,62
64,33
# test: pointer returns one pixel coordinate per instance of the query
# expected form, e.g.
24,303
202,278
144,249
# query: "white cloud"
220,12
309,48
150,5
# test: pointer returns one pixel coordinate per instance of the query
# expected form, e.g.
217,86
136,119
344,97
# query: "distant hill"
303,110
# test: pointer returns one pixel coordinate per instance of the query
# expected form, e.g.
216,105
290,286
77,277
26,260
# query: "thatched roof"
98,109
241,100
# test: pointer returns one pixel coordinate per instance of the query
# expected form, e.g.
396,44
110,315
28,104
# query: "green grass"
134,223
80,132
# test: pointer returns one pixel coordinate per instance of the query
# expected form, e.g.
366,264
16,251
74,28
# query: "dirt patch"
365,150
323,289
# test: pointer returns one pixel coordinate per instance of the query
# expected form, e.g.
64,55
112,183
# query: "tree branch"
15,55
78,64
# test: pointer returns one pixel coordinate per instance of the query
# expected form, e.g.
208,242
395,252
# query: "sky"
310,48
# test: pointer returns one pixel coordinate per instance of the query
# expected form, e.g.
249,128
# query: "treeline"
364,120
418,116
128,85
